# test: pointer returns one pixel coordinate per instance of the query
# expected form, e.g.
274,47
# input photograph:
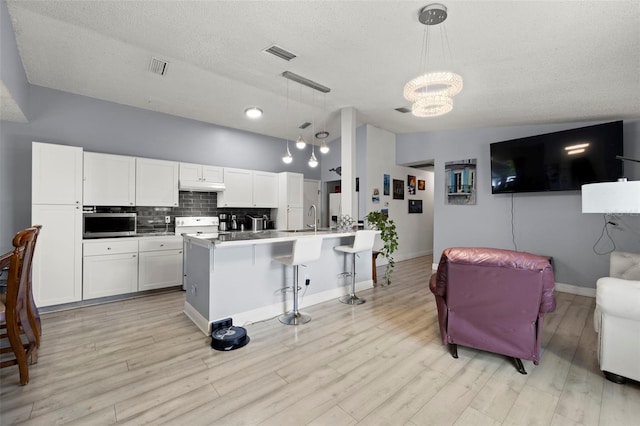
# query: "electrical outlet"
167,219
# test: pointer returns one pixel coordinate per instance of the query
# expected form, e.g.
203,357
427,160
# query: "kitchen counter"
234,275
231,238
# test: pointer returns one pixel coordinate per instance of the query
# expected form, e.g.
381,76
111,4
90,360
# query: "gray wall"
545,223
11,70
100,126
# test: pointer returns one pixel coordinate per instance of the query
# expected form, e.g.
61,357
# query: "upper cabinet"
291,201
200,173
56,174
249,188
109,180
198,177
156,183
265,189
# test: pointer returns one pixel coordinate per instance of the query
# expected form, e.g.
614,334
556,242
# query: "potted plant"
389,236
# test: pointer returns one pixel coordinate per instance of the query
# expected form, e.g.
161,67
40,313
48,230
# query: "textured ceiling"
522,62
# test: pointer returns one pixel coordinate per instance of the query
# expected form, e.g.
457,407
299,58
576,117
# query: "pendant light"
324,148
300,142
313,161
287,158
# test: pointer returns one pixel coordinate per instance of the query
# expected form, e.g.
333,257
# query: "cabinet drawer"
110,247
156,244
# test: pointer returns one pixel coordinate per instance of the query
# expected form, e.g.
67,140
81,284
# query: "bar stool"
363,241
305,249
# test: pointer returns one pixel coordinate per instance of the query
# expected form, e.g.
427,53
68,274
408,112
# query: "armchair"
493,300
617,318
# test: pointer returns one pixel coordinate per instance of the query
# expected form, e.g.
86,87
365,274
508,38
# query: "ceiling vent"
280,53
403,110
304,125
158,66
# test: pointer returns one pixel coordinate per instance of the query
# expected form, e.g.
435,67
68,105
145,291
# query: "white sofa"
617,318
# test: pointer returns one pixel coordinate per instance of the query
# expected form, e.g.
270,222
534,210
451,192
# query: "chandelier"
432,92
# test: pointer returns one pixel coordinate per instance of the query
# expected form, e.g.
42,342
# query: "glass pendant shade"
313,161
300,142
287,159
324,148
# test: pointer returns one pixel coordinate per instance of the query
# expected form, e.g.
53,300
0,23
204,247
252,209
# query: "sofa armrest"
618,297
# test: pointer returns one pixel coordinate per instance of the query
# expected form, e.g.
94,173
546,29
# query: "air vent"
280,53
158,66
304,125
403,110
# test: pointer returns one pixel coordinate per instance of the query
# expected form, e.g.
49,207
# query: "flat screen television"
560,161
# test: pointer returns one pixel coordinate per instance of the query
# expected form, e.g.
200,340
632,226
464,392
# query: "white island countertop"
240,238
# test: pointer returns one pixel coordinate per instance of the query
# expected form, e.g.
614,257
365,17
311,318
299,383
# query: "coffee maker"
223,224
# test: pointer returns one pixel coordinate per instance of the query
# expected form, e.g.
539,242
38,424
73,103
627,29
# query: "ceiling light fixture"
287,158
253,112
431,92
300,142
324,148
313,161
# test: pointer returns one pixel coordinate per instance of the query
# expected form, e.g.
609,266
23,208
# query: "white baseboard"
271,311
200,321
576,289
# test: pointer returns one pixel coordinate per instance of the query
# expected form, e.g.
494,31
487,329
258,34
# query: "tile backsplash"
151,219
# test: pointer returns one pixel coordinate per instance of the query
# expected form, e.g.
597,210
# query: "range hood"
201,186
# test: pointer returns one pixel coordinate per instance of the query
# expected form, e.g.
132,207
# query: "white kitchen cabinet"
265,189
160,263
109,268
249,188
290,206
56,174
156,183
200,173
57,260
109,180
56,196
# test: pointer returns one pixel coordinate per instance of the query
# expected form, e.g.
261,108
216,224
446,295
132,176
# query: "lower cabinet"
122,266
160,263
109,268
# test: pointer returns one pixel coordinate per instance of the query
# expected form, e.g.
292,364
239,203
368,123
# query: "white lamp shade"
611,197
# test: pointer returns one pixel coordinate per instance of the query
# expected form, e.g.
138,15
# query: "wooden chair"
16,312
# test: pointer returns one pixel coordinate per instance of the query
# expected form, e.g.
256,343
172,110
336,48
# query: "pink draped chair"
493,300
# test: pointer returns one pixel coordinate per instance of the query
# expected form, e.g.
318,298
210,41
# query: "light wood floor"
142,361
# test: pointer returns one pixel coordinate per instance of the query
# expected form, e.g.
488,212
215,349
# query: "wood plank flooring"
141,361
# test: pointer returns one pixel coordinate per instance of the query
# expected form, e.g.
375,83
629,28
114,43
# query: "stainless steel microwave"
104,225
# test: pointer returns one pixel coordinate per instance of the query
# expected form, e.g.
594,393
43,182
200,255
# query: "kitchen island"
234,275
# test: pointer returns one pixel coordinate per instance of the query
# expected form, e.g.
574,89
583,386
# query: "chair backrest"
624,265
17,298
494,299
364,240
306,249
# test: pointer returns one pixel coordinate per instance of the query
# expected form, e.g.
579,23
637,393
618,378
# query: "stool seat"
362,242
305,249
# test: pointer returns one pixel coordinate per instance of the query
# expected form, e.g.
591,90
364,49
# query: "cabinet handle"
180,252
133,255
108,248
161,245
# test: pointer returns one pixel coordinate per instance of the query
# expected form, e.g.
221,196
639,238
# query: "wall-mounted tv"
560,161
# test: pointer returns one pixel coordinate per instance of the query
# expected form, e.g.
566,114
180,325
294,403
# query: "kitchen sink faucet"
315,217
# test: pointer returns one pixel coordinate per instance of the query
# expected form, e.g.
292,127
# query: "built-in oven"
104,225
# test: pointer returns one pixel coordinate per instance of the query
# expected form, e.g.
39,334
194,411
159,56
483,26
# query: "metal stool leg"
295,317
352,299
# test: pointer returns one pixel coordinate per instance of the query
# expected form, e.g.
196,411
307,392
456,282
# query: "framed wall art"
415,206
420,185
411,185
460,182
398,189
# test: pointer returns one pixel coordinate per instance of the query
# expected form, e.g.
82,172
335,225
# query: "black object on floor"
228,338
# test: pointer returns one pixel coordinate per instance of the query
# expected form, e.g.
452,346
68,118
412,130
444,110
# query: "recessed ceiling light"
253,112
